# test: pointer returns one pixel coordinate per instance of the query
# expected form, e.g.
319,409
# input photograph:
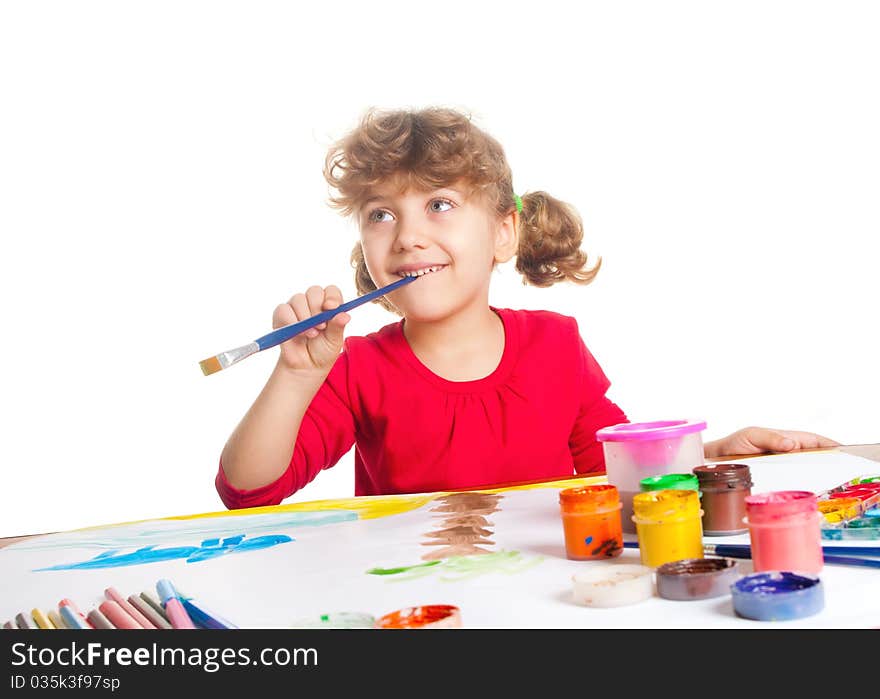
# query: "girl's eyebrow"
430,193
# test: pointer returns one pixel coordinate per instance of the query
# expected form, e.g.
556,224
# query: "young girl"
457,394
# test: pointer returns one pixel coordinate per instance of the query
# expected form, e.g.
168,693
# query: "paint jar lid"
767,508
715,476
645,431
437,616
613,585
670,505
590,498
696,578
777,595
670,481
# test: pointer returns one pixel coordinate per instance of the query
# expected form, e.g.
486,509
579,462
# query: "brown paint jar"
724,488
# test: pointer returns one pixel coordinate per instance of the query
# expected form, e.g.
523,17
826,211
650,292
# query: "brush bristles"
210,365
228,358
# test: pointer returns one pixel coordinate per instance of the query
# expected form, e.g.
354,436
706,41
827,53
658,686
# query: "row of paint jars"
784,526
722,489
667,523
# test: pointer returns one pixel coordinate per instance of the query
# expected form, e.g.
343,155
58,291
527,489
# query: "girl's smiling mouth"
416,271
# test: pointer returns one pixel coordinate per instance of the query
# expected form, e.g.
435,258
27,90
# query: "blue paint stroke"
209,548
167,532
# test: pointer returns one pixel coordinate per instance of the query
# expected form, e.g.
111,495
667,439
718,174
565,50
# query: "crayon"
42,620
173,608
72,620
204,617
67,602
10,625
99,621
144,607
56,619
25,621
117,615
154,602
113,594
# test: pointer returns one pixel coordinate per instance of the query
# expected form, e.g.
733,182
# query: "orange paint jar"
591,522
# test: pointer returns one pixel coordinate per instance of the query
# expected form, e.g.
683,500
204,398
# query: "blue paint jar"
777,595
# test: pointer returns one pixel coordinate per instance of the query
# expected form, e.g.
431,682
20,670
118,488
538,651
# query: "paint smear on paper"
163,531
457,568
366,506
210,548
464,527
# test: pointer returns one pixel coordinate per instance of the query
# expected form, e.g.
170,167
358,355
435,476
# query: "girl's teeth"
421,272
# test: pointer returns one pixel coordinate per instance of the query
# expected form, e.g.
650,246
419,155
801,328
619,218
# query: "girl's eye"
440,205
377,216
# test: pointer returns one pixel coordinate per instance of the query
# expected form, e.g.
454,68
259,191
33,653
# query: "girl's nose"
409,236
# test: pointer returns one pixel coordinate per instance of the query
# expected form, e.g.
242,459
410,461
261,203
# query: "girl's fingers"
335,330
315,297
332,297
283,315
300,306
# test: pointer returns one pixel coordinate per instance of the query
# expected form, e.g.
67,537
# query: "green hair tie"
518,203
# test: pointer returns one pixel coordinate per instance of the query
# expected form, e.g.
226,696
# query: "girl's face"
449,237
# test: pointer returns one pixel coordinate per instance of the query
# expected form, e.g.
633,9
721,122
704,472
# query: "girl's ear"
506,238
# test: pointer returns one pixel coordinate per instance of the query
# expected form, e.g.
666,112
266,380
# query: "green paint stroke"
405,569
456,568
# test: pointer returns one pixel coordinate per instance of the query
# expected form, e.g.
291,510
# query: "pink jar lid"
644,431
779,504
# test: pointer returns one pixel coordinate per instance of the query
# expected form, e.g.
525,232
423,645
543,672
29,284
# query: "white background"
161,192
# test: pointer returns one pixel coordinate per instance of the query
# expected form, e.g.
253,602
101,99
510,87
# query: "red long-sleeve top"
535,417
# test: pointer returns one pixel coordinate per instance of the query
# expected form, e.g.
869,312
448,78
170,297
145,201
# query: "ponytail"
550,236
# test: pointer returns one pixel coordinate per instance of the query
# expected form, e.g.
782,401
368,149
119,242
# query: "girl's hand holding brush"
317,310
316,349
259,449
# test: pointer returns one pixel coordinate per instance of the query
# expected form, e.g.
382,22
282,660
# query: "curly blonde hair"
436,147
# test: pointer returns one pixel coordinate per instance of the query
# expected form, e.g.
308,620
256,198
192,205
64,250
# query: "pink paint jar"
785,531
636,450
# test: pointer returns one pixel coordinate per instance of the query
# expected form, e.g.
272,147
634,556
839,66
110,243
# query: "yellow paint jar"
668,525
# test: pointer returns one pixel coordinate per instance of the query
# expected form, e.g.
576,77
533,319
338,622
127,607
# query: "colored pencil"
25,621
173,607
202,616
10,625
99,621
72,620
113,594
276,337
67,602
745,551
56,619
144,607
42,620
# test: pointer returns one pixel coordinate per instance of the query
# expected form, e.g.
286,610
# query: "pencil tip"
210,365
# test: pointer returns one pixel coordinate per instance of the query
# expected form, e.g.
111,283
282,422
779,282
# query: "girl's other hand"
316,349
760,440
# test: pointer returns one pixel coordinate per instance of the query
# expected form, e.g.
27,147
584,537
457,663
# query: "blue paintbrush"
829,553
276,337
